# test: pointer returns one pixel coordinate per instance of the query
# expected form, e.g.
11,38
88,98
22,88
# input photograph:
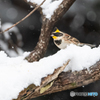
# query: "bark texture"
65,81
47,27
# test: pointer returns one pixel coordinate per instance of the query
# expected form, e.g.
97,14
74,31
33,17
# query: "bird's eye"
58,34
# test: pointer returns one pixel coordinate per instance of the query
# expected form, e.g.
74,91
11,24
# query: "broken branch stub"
53,76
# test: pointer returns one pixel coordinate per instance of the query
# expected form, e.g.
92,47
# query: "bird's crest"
56,30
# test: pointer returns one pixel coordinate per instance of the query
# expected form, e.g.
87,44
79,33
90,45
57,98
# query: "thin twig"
23,18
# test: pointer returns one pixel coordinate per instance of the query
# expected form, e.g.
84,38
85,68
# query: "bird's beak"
52,35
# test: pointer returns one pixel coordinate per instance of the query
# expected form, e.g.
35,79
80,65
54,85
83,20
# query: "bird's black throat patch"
58,42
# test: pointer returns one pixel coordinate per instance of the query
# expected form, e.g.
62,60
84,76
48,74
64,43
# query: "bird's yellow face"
54,37
55,34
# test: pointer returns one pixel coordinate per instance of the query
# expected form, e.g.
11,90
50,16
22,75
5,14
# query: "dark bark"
42,44
65,81
47,27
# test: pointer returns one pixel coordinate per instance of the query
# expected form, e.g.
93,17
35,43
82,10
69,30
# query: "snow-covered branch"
9,45
65,81
64,70
82,68
51,14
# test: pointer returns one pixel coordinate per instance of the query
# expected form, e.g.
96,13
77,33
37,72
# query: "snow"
14,29
16,73
7,37
10,52
48,7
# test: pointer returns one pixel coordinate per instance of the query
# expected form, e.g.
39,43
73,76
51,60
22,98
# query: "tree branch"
23,18
65,81
47,27
34,5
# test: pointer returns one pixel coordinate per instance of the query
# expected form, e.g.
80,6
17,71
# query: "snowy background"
81,21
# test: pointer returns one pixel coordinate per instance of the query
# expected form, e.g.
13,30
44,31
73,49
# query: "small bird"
62,40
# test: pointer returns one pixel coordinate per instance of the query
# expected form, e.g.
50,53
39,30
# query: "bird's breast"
61,44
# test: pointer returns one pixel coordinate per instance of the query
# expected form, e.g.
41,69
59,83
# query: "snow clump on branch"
48,7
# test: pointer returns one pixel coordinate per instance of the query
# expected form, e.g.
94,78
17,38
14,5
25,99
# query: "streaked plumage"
62,40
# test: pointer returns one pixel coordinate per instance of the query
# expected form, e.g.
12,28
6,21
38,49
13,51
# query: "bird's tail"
91,45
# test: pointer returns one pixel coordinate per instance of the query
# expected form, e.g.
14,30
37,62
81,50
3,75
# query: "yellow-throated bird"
62,40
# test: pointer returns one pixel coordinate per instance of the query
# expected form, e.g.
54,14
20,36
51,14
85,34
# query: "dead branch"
65,81
47,27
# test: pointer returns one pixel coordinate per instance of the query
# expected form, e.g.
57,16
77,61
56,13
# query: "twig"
23,18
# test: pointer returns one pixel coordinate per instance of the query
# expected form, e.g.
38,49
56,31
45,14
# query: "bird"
62,40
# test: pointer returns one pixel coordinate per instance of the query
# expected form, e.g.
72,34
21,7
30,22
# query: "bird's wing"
71,39
76,41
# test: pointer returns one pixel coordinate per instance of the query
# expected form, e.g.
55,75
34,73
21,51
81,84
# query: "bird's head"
56,34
